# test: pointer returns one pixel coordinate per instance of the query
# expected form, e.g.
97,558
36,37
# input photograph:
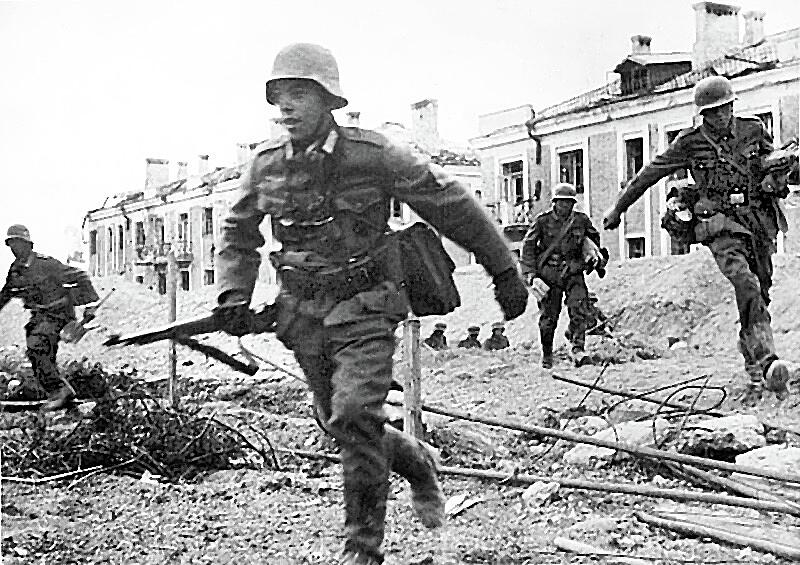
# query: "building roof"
646,59
774,51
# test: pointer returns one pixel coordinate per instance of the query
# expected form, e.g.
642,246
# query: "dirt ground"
293,515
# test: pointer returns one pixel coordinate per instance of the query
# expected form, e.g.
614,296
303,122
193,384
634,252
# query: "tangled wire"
130,429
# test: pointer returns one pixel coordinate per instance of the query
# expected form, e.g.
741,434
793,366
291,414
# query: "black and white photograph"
403,283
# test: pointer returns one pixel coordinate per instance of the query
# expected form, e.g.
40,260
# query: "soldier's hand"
612,219
233,315
510,293
89,313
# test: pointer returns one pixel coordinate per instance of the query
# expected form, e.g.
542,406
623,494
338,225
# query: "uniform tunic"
329,208
743,218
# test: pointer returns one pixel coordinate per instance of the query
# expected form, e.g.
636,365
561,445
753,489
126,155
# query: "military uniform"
40,280
739,221
471,341
562,270
339,303
497,340
437,340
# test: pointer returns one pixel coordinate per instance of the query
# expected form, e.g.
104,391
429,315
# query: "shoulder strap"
556,242
722,154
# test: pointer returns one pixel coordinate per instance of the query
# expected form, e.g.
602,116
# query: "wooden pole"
412,385
172,302
582,484
694,529
634,450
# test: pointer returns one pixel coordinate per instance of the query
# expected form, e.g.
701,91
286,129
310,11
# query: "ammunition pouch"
681,231
427,271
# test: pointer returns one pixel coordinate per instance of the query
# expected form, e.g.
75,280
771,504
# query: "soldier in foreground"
471,341
553,250
50,290
437,340
497,340
327,189
734,212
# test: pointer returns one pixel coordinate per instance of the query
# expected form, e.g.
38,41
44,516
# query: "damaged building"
133,232
600,139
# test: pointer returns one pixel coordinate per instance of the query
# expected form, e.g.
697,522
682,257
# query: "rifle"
260,321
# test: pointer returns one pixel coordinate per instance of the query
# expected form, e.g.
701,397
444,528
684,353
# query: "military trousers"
571,289
345,351
41,339
749,269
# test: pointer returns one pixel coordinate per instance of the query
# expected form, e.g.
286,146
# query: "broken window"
634,157
93,242
513,182
140,238
766,118
570,164
185,280
208,277
396,209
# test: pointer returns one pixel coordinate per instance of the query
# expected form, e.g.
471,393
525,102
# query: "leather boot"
776,377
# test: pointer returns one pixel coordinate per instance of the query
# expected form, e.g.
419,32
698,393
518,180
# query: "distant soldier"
733,209
497,340
553,250
50,290
437,340
472,338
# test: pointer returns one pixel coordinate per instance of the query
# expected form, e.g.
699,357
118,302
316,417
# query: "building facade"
600,139
132,233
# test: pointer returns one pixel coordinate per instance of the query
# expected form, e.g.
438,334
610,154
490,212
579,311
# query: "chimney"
242,153
640,44
753,27
202,164
183,170
156,173
354,119
716,32
424,120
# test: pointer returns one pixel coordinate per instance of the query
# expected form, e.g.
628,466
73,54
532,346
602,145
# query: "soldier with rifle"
50,290
554,251
328,190
733,209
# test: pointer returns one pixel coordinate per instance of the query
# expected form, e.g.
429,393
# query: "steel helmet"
311,62
565,191
18,231
712,92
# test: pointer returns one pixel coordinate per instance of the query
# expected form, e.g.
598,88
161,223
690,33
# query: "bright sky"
89,89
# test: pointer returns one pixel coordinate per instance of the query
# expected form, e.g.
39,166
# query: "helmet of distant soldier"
565,191
712,92
18,231
311,62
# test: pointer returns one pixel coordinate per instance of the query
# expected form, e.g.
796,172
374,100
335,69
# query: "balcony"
182,249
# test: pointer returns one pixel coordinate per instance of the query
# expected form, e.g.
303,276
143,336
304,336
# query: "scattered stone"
781,458
230,392
539,493
731,434
639,434
678,345
85,408
466,436
587,425
596,525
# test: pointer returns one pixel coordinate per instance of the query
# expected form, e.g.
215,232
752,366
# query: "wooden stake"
412,385
172,302
695,529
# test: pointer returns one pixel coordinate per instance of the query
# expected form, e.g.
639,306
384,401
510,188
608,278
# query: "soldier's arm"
238,258
674,158
445,204
529,257
591,232
79,284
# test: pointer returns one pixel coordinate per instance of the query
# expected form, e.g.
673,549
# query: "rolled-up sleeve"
238,259
444,203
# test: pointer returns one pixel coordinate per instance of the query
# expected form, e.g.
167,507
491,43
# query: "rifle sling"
555,243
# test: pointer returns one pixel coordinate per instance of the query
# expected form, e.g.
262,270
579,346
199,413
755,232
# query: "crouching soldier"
328,191
471,341
50,290
733,209
497,340
553,250
437,340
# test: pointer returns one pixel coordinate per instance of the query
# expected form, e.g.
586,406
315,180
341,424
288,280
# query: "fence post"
412,387
172,301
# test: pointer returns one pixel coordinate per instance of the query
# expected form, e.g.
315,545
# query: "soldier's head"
713,98
439,328
473,331
18,238
564,198
304,85
498,328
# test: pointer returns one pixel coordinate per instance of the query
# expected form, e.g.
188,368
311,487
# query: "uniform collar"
27,262
324,144
730,131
